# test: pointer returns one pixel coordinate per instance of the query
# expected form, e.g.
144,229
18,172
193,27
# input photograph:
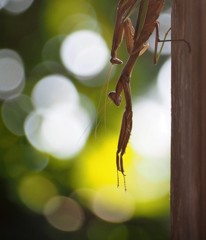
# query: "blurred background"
59,131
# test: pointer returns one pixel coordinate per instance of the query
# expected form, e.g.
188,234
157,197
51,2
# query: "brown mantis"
137,44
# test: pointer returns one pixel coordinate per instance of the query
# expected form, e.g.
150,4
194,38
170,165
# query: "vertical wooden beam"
188,164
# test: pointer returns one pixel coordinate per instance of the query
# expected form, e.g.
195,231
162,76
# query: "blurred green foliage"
27,34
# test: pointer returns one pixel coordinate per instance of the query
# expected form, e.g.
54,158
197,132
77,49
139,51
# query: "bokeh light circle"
164,83
84,53
11,74
64,214
79,21
113,206
54,90
3,3
62,134
32,128
18,6
14,113
59,125
6,52
26,159
35,191
151,132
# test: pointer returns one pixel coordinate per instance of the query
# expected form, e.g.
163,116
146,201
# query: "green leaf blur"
47,191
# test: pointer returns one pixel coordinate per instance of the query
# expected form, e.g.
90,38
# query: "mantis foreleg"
123,27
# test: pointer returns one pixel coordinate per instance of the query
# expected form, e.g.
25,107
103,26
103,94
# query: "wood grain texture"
188,157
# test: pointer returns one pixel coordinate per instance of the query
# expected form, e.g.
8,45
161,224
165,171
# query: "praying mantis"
137,43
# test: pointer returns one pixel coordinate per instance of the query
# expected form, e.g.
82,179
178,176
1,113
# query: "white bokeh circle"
84,53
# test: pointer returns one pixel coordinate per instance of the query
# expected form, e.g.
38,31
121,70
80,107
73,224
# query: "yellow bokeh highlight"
95,170
35,191
152,197
97,164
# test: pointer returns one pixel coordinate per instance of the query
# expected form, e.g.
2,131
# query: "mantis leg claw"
115,98
115,60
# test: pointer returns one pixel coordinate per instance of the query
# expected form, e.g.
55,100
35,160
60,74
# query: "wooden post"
188,164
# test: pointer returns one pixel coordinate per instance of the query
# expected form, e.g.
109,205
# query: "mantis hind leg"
125,131
158,40
120,167
122,143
